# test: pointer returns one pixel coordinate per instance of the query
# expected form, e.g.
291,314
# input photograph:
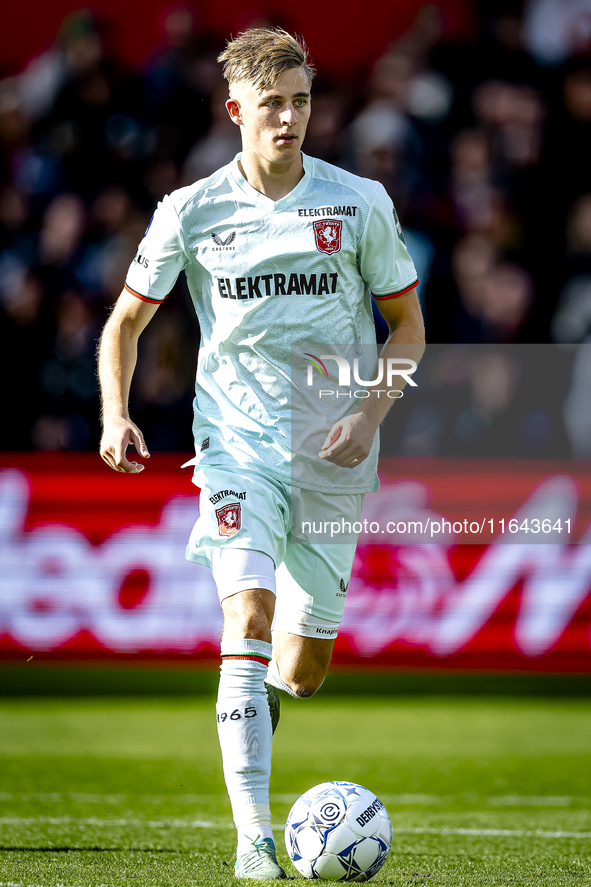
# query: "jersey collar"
272,205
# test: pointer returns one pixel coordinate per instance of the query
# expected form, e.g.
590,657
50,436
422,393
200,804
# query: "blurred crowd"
483,146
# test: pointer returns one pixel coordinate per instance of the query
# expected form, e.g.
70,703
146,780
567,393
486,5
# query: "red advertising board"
92,566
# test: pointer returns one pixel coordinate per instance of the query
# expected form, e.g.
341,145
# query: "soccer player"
278,248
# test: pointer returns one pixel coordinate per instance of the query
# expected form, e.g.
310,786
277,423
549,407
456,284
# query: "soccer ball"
338,831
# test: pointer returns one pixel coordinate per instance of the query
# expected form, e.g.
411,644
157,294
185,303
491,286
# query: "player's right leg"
241,534
244,720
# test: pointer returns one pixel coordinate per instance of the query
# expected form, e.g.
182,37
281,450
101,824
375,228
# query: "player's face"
273,121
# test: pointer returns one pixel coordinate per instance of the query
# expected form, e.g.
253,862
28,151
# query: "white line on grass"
72,820
23,884
533,801
393,800
197,823
491,832
59,884
472,798
84,798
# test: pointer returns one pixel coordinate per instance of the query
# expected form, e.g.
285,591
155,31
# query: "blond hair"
260,56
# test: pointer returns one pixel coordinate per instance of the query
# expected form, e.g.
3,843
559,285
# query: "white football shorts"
247,511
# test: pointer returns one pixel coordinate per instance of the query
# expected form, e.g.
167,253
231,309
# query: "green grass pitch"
129,791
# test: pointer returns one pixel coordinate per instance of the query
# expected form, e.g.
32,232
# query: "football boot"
260,862
274,705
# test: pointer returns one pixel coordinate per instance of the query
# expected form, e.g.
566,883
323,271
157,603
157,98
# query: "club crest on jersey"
328,235
229,519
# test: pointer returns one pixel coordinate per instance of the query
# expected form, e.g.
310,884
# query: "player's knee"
246,624
305,691
248,614
305,686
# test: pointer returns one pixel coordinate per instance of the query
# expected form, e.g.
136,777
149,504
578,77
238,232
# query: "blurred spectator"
473,260
385,149
26,330
572,320
165,381
382,141
490,300
178,84
512,117
77,48
53,251
491,401
577,405
507,299
219,146
68,378
14,214
470,181
323,136
568,145
503,49
556,30
115,228
61,231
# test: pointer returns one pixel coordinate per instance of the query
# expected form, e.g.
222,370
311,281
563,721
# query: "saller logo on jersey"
229,519
328,235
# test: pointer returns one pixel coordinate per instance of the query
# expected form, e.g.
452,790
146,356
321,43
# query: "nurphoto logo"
387,369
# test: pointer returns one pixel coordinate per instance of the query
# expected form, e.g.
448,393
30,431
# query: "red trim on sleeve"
393,295
144,298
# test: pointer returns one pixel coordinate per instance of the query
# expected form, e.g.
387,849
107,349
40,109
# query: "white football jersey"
263,276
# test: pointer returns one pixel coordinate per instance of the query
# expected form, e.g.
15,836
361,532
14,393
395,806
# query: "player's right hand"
117,436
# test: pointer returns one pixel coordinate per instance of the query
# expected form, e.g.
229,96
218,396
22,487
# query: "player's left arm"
387,268
350,440
406,340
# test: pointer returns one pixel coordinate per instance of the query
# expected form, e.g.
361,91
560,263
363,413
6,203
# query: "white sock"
260,828
245,734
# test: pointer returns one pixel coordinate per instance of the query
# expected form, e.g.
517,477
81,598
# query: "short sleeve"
385,264
160,257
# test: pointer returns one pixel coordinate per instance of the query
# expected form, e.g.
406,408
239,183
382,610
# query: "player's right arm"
116,363
153,273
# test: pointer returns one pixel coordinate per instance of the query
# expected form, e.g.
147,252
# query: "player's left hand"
349,441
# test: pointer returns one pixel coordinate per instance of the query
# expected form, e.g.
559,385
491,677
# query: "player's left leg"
311,587
299,664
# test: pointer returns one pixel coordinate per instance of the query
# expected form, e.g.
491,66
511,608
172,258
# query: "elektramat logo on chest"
277,285
328,211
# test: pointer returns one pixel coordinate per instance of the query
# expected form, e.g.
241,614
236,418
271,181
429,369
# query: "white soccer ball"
338,831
